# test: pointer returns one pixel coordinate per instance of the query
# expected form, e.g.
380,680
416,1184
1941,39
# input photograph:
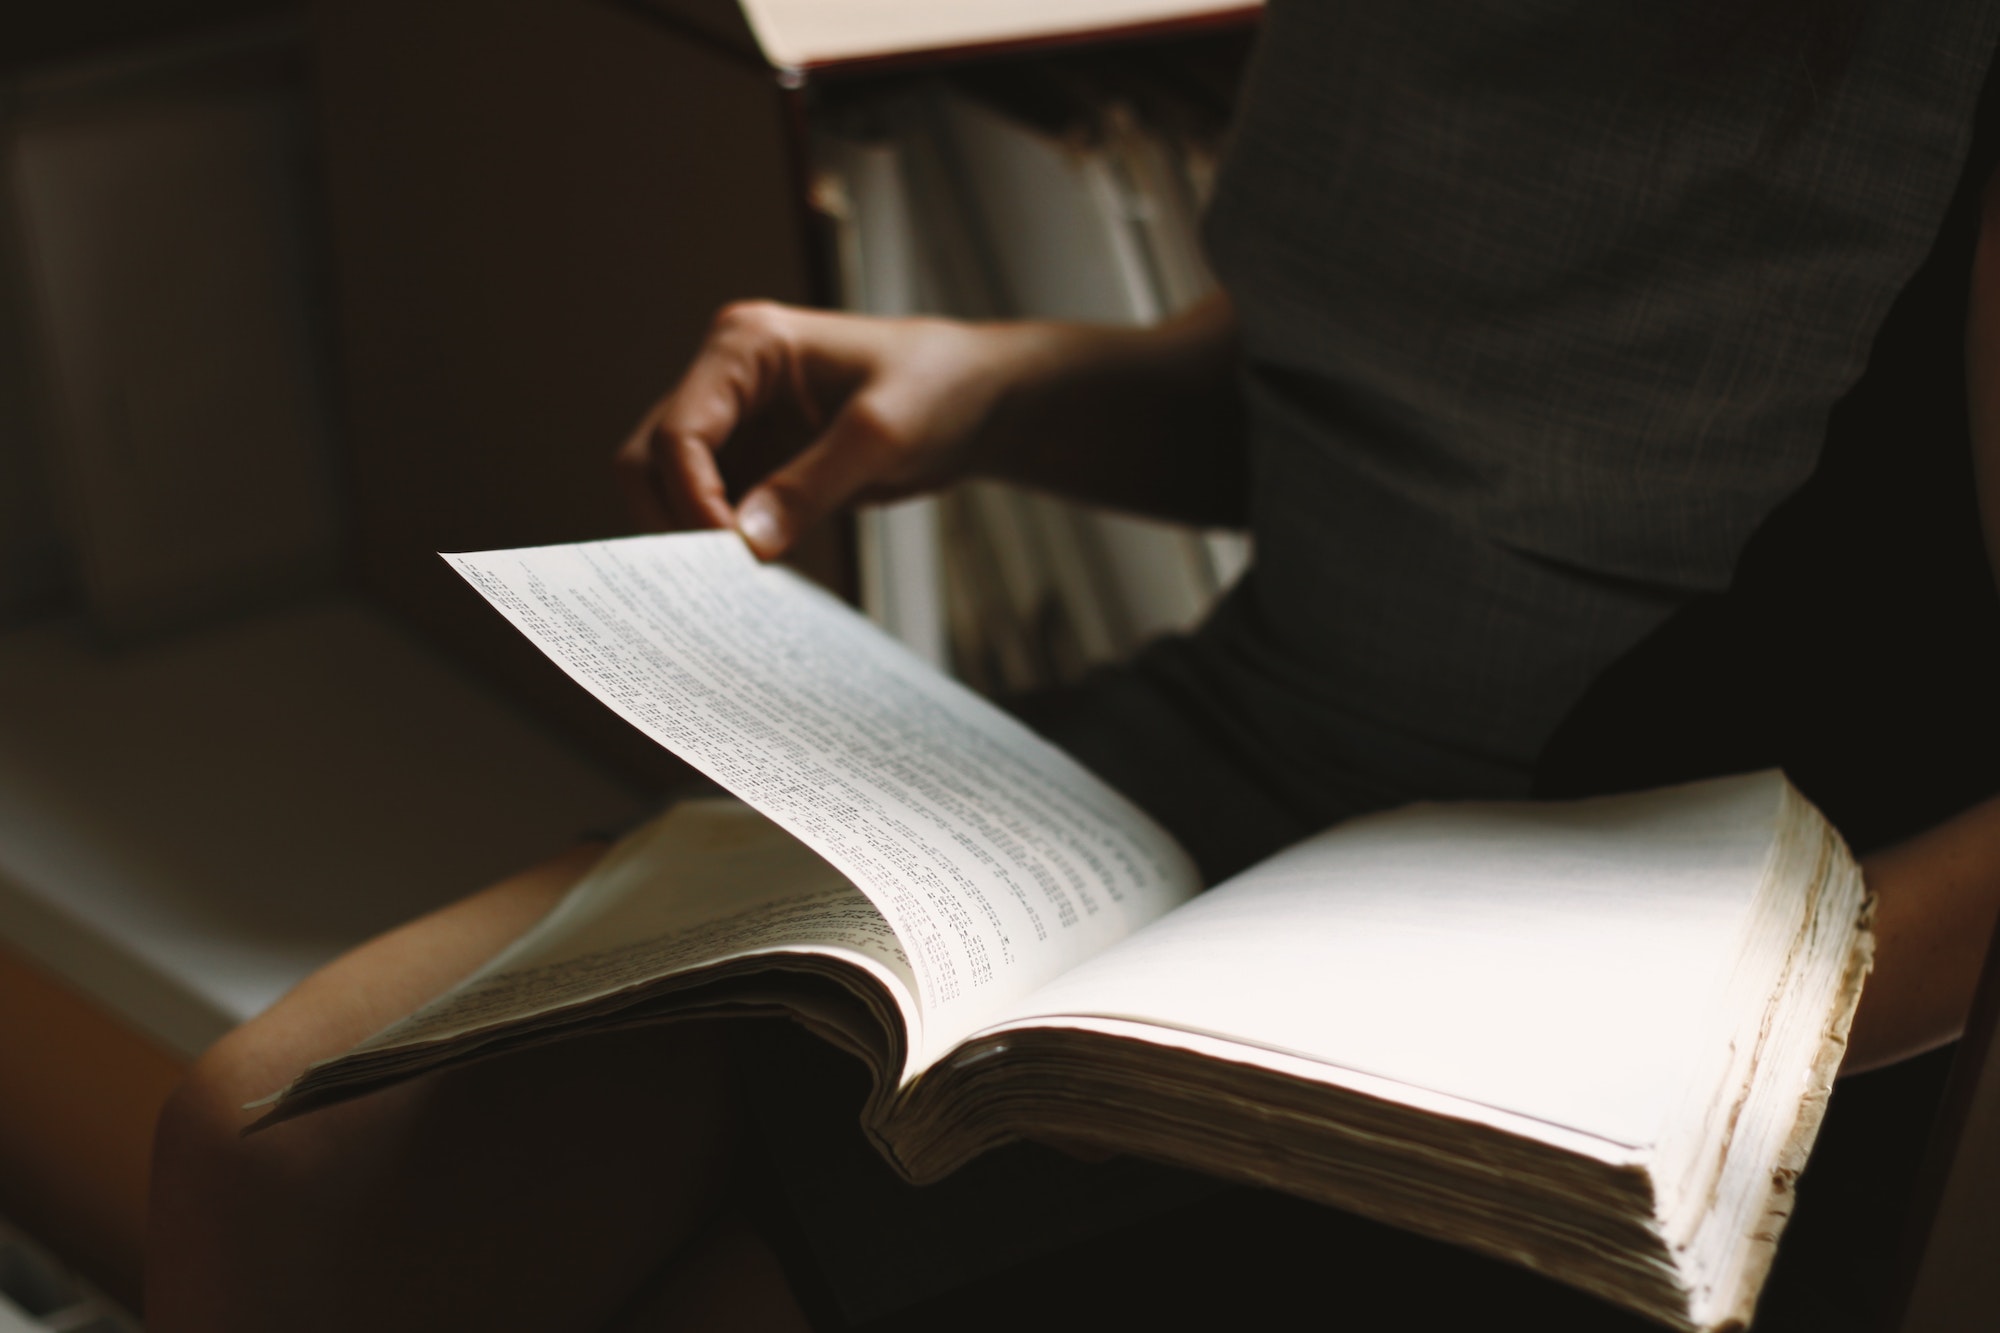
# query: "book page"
1556,961
706,883
998,861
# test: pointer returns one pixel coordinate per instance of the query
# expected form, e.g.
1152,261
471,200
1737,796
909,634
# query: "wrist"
1038,373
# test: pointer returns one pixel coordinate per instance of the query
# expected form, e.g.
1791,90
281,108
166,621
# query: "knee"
201,1126
190,1129
212,1189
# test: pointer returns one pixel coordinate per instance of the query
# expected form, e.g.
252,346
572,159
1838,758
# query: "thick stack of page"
1594,1038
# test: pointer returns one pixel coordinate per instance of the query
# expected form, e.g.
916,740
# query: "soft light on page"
1559,964
998,860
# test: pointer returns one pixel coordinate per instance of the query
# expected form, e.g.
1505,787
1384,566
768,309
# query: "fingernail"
757,520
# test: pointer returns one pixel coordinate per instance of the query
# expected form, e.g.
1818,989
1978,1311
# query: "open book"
1594,1038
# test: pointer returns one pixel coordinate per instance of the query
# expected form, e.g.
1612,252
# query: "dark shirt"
1543,313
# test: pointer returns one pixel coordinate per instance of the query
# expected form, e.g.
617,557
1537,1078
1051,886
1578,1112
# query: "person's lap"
536,1192
601,1182
557,1187
568,1173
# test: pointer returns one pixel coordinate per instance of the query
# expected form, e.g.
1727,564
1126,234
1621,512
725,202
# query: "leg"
538,1191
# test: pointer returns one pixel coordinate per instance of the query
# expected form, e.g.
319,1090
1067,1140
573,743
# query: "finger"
690,426
668,466
671,478
668,472
862,444
632,465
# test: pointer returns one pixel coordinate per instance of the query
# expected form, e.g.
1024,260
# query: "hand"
800,412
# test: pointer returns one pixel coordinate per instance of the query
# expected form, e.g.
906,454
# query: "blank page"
1561,962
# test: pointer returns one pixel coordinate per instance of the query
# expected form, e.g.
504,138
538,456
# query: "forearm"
1939,892
1141,419
1938,898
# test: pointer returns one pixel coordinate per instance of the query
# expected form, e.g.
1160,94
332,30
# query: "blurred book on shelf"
803,35
884,269
1064,189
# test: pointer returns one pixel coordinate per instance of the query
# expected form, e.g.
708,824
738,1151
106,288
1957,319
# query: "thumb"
855,451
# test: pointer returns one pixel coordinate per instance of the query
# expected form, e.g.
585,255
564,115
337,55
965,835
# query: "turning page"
998,860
